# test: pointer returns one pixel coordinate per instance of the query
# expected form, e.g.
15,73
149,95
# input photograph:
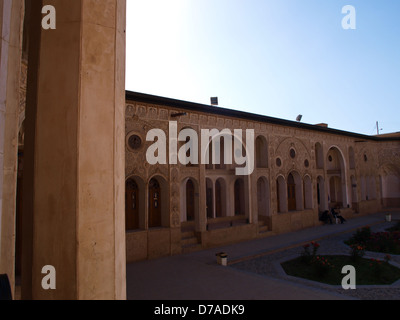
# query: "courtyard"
254,271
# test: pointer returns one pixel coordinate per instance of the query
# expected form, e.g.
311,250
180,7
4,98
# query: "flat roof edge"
198,107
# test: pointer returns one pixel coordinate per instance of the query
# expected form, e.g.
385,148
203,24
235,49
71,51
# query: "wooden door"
131,205
154,204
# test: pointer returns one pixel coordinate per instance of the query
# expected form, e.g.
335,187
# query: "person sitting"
325,217
337,215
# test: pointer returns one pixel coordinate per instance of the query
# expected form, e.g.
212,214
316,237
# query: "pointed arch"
263,197
220,198
189,199
239,197
336,177
158,203
389,186
294,191
308,194
281,192
135,195
131,205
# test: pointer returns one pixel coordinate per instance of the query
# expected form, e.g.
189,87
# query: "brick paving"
253,272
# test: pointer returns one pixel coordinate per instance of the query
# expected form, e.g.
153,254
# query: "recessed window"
330,158
306,163
134,142
365,158
278,162
292,153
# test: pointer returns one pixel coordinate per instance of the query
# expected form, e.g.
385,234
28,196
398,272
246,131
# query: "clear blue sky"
278,58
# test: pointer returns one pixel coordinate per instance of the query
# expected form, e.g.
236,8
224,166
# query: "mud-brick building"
299,171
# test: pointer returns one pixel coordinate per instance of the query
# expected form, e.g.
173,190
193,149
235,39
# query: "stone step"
263,230
191,248
189,241
187,234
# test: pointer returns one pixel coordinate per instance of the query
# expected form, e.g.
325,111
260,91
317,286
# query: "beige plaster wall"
136,246
78,203
220,237
153,243
142,117
11,13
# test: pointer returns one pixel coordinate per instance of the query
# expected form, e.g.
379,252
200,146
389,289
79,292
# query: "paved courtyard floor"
254,271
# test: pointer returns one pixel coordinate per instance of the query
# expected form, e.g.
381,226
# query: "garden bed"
387,241
328,269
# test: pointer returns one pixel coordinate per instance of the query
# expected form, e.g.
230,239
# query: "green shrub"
387,242
396,227
357,251
361,236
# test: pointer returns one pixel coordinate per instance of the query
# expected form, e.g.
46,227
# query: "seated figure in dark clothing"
325,217
337,215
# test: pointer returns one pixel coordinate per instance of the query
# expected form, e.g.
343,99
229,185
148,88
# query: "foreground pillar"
11,14
74,152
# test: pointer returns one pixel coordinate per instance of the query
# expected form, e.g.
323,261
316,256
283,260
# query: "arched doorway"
154,203
189,202
389,181
131,205
294,192
336,175
321,194
335,188
239,194
220,198
263,197
209,198
291,193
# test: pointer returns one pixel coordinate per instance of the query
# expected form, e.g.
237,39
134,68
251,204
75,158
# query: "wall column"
11,17
74,182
